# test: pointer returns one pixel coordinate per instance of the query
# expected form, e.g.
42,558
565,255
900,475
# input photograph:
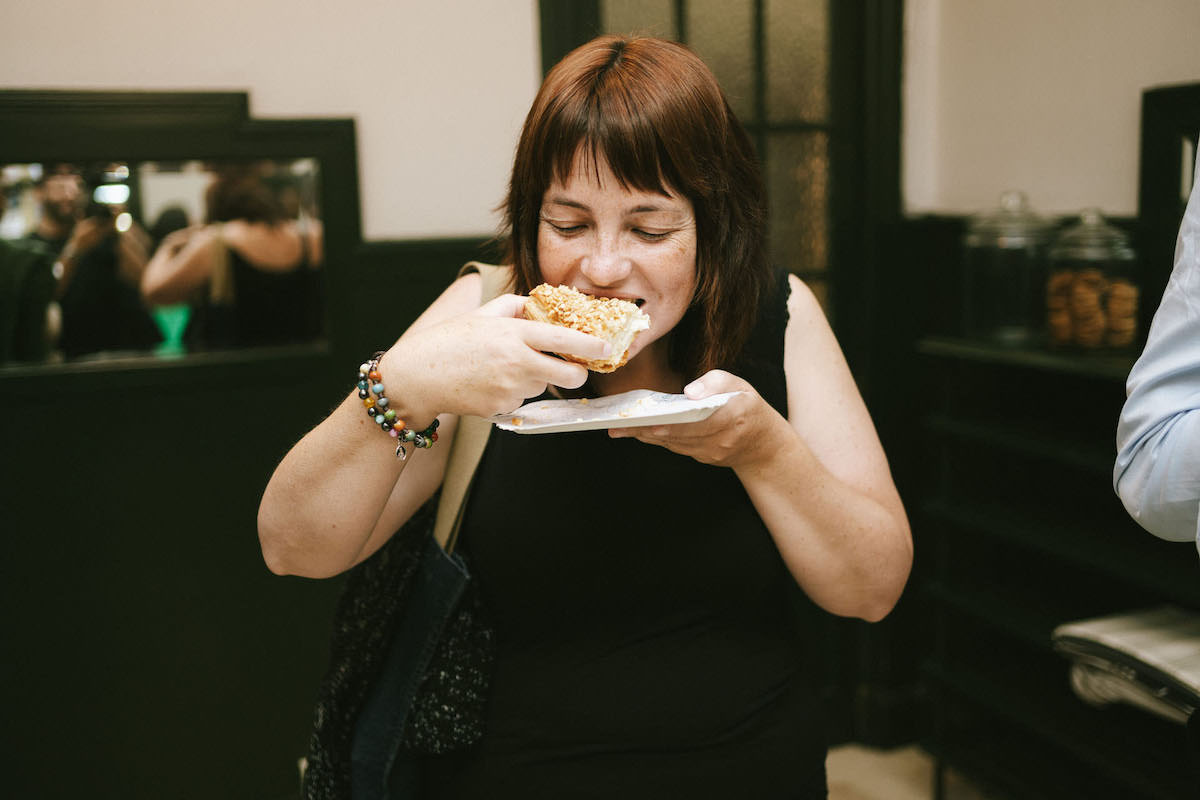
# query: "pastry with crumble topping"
610,318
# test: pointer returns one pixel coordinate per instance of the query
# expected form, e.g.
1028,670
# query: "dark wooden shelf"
1139,559
1104,366
1030,622
1007,770
1098,738
1022,439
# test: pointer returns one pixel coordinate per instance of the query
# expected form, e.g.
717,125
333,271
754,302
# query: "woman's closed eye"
565,228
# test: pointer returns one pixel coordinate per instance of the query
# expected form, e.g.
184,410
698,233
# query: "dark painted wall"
146,650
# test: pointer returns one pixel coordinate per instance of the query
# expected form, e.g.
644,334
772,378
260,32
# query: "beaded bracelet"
370,390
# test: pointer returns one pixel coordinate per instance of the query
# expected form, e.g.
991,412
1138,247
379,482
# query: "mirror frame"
1170,114
133,126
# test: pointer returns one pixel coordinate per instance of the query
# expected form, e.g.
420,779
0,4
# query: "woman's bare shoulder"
269,247
802,302
811,352
466,292
460,297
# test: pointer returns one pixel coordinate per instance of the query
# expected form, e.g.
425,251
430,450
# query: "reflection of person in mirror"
250,272
645,584
98,267
27,287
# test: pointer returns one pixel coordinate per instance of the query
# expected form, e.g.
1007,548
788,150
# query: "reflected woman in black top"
639,578
251,275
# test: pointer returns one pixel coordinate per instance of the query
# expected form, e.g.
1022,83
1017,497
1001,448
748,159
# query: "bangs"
605,124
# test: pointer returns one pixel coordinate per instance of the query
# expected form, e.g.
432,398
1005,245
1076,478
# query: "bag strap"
221,288
471,434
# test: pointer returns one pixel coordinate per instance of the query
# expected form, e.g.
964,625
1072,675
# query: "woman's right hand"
485,362
339,494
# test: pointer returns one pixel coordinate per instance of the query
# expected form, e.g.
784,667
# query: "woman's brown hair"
239,192
655,114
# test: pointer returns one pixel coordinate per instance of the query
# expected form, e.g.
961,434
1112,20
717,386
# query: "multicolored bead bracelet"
370,390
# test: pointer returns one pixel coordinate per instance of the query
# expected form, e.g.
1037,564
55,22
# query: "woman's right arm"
338,495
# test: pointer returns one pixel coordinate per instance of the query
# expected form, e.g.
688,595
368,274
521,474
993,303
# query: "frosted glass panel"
798,191
722,33
652,17
797,60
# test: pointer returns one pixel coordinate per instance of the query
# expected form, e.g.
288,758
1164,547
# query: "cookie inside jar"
1092,290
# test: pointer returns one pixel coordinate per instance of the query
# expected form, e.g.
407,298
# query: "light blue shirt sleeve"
1157,471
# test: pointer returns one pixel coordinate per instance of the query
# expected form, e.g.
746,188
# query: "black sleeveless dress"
271,308
647,644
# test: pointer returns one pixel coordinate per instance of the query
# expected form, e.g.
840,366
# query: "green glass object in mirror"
172,322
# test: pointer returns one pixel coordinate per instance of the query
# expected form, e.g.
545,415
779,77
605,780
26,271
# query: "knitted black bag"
447,712
359,697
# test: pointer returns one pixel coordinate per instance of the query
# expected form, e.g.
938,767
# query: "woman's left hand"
743,431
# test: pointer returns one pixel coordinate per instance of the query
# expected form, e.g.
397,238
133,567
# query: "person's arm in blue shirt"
1157,471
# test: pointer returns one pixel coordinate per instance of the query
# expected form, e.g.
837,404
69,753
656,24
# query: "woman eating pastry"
642,581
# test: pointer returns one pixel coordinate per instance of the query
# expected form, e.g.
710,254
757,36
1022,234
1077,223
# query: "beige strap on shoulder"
220,282
471,435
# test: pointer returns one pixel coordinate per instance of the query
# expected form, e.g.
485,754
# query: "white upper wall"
1038,95
438,89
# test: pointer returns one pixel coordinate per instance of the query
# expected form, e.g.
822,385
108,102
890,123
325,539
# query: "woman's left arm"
819,479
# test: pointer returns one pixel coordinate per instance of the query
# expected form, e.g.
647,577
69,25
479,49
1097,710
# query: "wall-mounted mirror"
159,257
143,228
166,443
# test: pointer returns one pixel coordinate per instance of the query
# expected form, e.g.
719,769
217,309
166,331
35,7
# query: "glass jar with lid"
1004,273
1092,289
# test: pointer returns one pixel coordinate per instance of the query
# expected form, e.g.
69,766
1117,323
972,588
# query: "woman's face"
608,241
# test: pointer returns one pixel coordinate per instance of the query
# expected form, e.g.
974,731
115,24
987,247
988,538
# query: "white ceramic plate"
627,410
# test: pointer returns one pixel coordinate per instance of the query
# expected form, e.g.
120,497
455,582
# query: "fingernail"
694,388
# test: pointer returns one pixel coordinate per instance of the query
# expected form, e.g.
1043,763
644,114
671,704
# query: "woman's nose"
606,264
